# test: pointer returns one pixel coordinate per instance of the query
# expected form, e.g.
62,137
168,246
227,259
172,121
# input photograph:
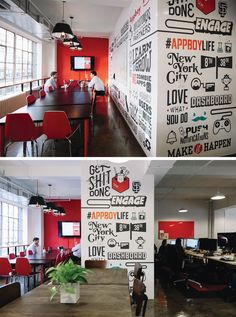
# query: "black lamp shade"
51,207
62,31
37,201
76,47
74,41
61,211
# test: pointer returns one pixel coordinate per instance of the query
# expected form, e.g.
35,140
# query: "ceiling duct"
4,5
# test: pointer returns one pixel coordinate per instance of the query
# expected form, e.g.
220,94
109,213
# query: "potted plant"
66,278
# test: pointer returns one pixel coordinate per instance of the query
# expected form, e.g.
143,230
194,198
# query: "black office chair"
175,264
9,292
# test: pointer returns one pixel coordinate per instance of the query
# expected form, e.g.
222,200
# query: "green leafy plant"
65,274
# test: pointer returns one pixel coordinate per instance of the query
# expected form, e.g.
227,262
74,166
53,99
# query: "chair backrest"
5,266
12,256
42,93
19,127
61,258
138,271
22,253
30,252
23,267
139,296
30,99
50,89
56,125
9,292
99,264
173,258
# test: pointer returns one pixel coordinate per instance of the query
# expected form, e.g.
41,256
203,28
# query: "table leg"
2,139
86,136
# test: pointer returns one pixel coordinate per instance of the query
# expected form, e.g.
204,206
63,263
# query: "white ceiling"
91,17
182,179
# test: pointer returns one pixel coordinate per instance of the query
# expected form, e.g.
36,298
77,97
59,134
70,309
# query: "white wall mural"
133,64
118,217
179,93
197,111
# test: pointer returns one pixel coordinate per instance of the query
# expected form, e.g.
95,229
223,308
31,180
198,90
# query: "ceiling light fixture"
72,43
37,200
183,210
218,196
51,207
62,30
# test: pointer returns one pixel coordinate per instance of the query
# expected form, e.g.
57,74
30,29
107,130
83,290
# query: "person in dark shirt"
162,248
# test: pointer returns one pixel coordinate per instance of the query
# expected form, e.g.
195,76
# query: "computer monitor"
208,244
227,240
192,244
172,242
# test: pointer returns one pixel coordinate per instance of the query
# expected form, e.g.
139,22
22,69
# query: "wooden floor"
111,138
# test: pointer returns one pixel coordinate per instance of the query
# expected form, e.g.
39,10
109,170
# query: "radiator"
12,103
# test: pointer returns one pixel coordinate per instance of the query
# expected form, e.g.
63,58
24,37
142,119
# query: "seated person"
51,82
97,85
76,253
34,247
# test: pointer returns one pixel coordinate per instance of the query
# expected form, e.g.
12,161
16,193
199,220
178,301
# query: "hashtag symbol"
168,43
89,215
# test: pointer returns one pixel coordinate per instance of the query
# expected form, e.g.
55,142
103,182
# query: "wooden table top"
95,301
108,277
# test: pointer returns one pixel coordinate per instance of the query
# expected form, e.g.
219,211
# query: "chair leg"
69,141
43,146
6,148
24,148
144,306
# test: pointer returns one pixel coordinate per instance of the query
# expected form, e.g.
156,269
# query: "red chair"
6,269
56,126
12,256
30,252
30,99
24,269
20,127
50,89
61,258
42,93
22,254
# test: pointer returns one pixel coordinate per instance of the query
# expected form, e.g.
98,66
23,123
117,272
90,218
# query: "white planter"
70,294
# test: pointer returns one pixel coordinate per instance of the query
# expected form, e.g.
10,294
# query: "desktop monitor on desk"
227,240
192,244
208,244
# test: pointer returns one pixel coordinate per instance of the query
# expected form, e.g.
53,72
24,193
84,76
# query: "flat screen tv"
69,229
82,62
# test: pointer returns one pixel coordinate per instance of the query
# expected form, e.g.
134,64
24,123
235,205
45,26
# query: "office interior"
169,87
178,185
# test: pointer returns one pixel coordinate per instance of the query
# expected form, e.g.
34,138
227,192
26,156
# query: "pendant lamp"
51,207
71,42
62,30
37,200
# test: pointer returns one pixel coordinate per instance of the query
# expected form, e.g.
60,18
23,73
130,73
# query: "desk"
75,103
95,301
108,277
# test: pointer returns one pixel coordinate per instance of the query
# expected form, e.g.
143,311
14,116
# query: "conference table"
76,102
41,260
96,300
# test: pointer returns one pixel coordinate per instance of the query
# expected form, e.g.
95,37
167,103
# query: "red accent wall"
97,47
177,229
73,213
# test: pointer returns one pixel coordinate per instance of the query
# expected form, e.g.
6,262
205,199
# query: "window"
18,60
11,225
